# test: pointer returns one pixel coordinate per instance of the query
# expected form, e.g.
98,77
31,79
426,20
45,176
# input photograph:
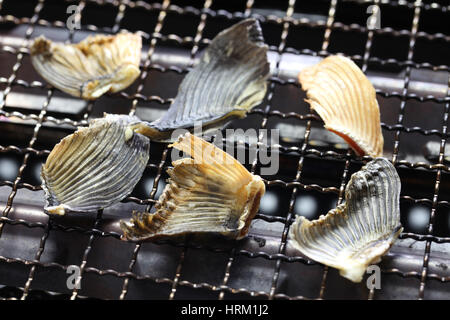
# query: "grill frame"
266,111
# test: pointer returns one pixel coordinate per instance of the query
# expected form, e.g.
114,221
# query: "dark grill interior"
406,60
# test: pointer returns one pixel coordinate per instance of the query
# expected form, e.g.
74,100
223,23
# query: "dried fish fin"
360,231
229,80
90,68
346,101
94,167
207,196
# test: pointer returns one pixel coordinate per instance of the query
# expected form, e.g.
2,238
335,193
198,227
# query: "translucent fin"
211,193
346,101
94,167
360,231
228,81
88,69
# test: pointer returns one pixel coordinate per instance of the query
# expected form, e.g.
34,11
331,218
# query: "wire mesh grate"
263,265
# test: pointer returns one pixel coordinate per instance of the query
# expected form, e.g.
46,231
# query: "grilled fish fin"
205,194
228,81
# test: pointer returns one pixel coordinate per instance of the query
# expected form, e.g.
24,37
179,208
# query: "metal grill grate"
406,59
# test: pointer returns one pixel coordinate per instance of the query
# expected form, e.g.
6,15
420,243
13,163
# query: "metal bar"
149,58
412,43
269,94
198,36
325,43
148,62
437,185
280,49
7,90
32,21
226,277
48,227
274,242
98,218
443,276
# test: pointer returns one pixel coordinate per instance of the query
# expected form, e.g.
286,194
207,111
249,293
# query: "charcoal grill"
407,61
